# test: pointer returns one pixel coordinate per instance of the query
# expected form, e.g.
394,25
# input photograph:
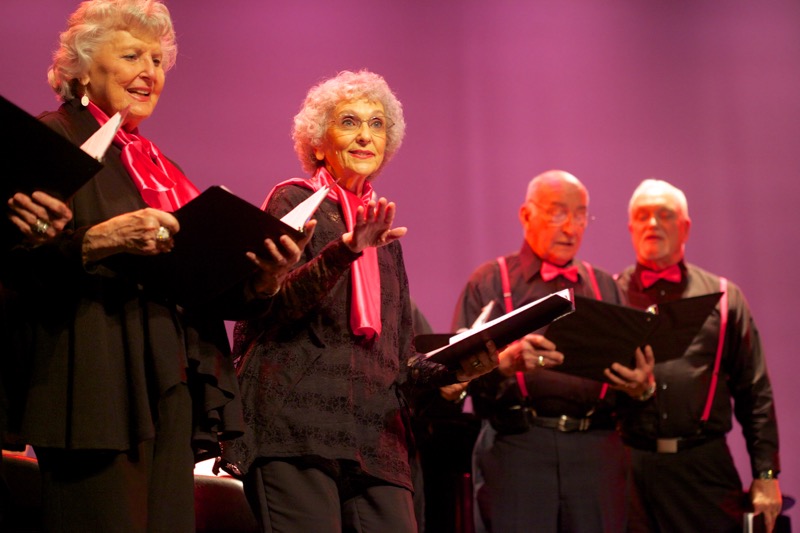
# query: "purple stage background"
702,93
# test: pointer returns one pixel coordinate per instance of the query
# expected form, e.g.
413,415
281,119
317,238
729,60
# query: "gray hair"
311,123
89,27
653,185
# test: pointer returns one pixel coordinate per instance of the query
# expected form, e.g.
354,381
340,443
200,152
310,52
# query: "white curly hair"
311,123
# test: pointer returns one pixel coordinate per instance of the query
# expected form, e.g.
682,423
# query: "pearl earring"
84,98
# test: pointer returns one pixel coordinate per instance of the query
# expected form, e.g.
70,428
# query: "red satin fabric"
365,313
161,184
549,271
671,274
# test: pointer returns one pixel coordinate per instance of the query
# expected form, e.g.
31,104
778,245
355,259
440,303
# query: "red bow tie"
550,271
671,274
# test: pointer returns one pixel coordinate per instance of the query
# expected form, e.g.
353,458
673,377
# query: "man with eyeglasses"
684,477
550,459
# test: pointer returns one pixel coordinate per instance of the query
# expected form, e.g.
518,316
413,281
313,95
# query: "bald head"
554,178
554,216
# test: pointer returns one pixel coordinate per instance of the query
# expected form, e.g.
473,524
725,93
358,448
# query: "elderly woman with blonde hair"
127,388
322,374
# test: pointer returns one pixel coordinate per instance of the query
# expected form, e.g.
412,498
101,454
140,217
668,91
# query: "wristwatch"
768,474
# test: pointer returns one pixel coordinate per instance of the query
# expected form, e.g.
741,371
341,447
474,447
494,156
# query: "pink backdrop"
701,93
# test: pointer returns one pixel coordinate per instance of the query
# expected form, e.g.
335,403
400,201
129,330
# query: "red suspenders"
723,324
509,304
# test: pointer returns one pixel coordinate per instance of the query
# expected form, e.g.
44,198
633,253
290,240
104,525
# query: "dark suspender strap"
723,319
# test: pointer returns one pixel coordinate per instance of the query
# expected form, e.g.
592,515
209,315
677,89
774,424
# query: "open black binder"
216,230
502,331
39,159
599,334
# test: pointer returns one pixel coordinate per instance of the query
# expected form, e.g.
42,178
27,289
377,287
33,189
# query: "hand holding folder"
217,229
502,331
599,334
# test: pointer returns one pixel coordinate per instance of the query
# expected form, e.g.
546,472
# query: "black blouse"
312,388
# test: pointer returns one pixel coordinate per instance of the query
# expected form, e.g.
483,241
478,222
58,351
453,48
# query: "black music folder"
39,159
502,330
216,230
599,334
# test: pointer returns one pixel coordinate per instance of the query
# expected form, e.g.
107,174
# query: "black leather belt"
673,445
562,423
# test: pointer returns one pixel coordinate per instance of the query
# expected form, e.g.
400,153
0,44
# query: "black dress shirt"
553,394
683,383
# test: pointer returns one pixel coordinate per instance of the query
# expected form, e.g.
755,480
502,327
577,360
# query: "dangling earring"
84,98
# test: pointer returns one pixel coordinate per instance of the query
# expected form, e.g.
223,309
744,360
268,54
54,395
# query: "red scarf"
161,184
365,313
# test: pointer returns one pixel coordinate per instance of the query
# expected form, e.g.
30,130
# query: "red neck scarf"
671,274
161,184
365,313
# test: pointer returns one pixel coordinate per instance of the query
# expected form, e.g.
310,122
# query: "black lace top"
309,386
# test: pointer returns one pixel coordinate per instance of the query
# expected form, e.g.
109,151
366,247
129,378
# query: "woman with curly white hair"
127,388
322,373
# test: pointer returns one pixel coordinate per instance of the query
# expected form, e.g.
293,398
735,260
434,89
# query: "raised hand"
373,226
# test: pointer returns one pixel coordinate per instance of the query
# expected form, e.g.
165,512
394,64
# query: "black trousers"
303,495
694,490
548,481
146,490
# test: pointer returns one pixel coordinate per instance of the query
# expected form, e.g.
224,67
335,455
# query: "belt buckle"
562,423
667,445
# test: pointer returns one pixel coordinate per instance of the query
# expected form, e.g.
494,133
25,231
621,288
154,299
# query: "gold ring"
162,234
541,360
476,363
40,226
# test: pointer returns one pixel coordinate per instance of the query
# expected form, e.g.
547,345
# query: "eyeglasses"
557,215
642,216
352,124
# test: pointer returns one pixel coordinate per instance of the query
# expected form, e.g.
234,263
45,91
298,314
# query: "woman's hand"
480,364
529,353
639,383
144,232
373,226
273,268
39,217
455,392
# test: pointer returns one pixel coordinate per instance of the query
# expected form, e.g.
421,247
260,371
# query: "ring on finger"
162,234
476,363
541,360
40,226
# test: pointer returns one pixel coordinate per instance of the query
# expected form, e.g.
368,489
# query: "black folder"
39,159
599,334
216,230
502,331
